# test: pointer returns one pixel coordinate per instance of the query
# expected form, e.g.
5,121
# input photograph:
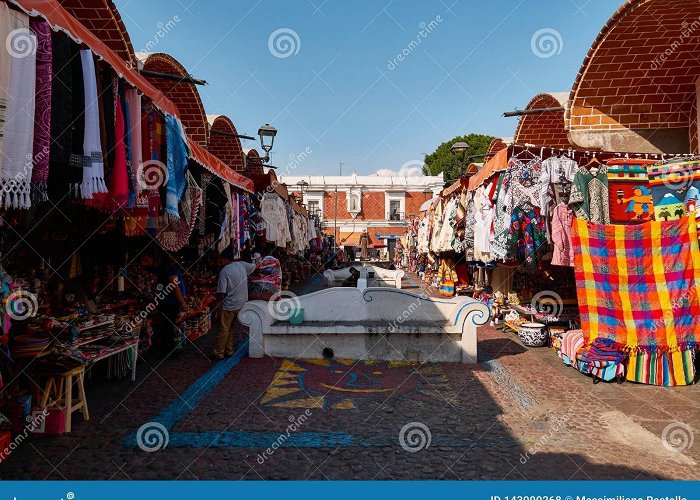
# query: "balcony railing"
395,216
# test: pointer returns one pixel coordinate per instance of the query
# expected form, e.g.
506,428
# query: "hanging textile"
7,24
629,191
134,139
120,176
67,117
562,248
18,130
42,115
519,185
639,285
674,187
176,233
589,194
177,163
528,236
93,160
666,369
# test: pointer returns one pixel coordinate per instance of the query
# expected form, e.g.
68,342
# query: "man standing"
231,295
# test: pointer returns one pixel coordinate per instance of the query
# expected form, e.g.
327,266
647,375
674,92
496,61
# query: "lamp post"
458,149
267,135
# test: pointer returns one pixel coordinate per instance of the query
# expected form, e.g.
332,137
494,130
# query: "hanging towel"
7,24
18,133
42,116
177,164
67,118
133,133
93,162
119,188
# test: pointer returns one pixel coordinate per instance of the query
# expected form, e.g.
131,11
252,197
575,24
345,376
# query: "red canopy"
218,167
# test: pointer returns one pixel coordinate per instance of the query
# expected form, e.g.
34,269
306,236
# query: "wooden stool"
59,386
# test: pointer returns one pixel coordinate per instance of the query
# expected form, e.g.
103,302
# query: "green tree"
442,160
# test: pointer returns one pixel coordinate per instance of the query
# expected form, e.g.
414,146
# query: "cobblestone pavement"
518,414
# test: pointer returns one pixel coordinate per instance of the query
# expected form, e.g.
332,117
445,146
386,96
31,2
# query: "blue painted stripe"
259,439
264,440
182,406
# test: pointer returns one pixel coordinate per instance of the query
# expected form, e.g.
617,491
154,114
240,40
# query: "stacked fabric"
266,280
602,360
30,346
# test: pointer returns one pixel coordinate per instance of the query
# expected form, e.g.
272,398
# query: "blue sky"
341,91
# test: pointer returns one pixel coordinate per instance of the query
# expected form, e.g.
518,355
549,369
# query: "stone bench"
380,277
374,323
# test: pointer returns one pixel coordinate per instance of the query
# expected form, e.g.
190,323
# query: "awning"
350,239
456,187
498,163
298,208
217,167
59,18
426,205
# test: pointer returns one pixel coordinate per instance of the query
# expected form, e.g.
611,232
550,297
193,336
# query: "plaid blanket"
639,285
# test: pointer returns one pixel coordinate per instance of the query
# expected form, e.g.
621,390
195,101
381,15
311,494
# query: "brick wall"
373,205
641,71
226,148
102,18
184,95
543,129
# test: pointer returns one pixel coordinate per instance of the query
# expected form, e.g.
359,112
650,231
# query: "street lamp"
460,148
267,135
303,187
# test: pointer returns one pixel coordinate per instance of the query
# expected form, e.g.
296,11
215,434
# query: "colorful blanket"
639,285
628,188
675,188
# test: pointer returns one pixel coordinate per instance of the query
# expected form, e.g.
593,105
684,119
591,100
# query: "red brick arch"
544,129
636,89
103,19
184,94
255,167
226,147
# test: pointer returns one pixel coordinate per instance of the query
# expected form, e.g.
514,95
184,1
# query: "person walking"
171,283
231,295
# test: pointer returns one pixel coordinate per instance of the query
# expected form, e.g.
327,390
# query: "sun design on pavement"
341,384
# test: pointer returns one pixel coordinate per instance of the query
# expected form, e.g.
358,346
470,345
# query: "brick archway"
496,145
184,94
254,167
226,147
103,19
636,90
544,129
